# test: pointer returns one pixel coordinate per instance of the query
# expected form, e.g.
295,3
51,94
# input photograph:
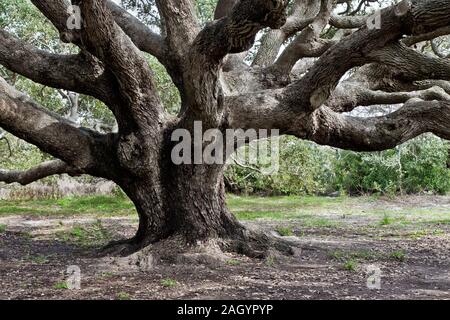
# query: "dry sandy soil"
412,255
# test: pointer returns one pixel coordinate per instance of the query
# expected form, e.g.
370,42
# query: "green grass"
366,255
169,283
39,259
2,228
308,211
61,285
350,259
350,265
87,236
387,220
278,208
96,205
285,231
123,296
107,274
270,261
233,262
399,255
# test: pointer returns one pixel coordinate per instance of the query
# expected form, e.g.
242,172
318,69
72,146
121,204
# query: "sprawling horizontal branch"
376,134
409,41
327,127
78,73
41,171
412,64
348,22
350,95
259,110
23,118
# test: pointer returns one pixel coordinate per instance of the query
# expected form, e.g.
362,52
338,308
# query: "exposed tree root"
253,244
258,244
122,248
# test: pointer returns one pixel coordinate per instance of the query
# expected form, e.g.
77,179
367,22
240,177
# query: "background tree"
281,88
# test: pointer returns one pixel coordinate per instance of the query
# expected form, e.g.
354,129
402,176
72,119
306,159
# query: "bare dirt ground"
336,249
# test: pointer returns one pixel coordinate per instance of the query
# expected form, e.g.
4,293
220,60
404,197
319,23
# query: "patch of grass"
2,228
123,296
418,234
233,262
255,215
387,220
98,204
438,232
169,283
350,265
440,222
61,285
278,208
26,235
93,235
270,261
285,231
106,274
399,255
364,255
7,209
357,255
39,259
95,205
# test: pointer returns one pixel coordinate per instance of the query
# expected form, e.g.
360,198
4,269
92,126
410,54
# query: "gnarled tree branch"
141,35
310,92
379,133
79,73
80,148
308,42
180,23
107,41
39,172
233,33
303,14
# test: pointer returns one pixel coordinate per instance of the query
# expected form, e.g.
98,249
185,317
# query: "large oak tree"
282,89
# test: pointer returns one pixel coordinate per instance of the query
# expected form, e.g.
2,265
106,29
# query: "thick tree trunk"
197,199
188,202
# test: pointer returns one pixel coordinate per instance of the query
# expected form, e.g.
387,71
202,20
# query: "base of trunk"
251,243
188,207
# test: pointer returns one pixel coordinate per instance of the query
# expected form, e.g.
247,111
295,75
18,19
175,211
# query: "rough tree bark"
188,201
